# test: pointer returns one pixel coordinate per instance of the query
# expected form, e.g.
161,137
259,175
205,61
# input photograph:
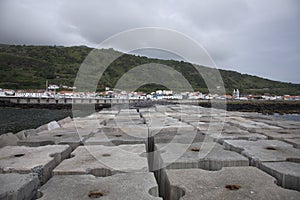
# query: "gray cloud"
249,36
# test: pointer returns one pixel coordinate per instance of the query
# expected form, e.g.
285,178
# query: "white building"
236,93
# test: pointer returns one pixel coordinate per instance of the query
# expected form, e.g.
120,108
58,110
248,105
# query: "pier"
261,106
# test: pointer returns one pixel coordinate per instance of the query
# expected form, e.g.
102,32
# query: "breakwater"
260,106
162,152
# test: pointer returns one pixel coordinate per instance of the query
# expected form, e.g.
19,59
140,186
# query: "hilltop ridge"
28,67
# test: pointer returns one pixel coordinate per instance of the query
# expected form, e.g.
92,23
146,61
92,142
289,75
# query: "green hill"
28,67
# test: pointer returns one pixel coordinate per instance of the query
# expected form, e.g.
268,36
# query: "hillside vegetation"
28,67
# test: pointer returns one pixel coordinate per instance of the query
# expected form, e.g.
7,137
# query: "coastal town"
57,92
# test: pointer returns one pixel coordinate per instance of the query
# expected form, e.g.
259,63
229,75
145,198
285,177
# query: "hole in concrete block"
39,194
282,132
96,194
195,149
271,148
58,135
53,155
104,123
117,135
294,160
233,187
230,133
176,193
106,155
19,155
154,192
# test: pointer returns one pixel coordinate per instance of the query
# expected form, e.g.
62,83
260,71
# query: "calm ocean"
17,119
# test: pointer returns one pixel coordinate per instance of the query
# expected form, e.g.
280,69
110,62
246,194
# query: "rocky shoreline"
264,107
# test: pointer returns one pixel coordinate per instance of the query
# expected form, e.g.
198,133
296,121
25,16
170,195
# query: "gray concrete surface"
251,125
188,127
18,186
40,160
208,156
263,150
229,183
57,136
8,139
293,141
73,133
179,136
104,160
280,134
286,173
36,141
130,186
232,133
112,138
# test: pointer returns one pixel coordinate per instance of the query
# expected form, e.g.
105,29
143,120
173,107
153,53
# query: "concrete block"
8,139
250,125
228,183
127,129
132,119
53,125
21,135
83,126
104,160
36,141
263,150
128,122
178,136
178,126
271,120
176,131
73,133
57,136
106,115
208,156
40,160
286,124
280,134
133,186
286,173
108,112
233,133
43,127
293,141
50,126
64,121
112,138
27,133
205,127
124,128
18,186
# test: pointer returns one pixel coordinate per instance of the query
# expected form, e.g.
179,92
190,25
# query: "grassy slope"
29,66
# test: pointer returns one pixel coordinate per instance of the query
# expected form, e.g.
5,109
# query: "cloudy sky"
249,36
